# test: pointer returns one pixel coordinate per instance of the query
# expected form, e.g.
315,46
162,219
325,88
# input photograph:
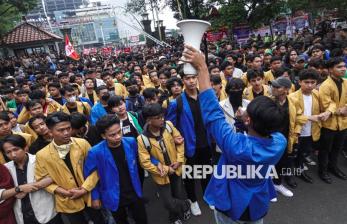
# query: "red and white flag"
69,50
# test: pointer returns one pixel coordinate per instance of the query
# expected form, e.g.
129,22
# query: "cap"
281,82
300,58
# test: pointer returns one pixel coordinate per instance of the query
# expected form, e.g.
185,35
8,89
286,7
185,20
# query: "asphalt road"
317,203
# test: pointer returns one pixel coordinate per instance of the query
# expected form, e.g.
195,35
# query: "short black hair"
63,74
151,110
215,79
115,101
234,83
150,93
316,63
225,64
4,116
32,119
37,95
253,73
171,82
275,58
104,74
106,122
334,61
78,120
130,82
67,88
56,118
32,103
211,67
266,115
308,74
15,140
99,88
54,84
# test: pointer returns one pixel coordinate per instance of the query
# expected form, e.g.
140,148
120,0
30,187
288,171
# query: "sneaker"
274,200
195,209
310,161
283,190
178,221
186,215
305,167
211,207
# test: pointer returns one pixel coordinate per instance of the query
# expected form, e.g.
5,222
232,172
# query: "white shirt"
306,128
237,73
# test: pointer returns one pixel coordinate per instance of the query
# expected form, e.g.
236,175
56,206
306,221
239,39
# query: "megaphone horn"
192,31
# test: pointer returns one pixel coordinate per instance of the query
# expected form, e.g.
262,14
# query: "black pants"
305,147
331,145
137,210
173,198
202,157
283,168
79,217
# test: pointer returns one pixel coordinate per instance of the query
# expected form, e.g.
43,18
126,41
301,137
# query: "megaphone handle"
205,48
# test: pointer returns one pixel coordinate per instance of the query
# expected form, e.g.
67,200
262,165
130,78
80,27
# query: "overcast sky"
166,15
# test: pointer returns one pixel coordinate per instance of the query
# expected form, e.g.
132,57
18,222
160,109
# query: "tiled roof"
27,33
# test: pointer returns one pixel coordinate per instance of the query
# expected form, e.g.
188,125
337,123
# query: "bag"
146,141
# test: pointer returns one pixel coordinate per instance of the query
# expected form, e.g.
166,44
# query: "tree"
11,11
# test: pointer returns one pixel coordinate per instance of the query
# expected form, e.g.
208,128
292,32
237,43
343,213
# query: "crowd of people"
78,138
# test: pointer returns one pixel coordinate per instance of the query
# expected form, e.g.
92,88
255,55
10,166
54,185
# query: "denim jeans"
222,219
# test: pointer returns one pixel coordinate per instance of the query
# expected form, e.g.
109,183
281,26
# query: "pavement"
317,203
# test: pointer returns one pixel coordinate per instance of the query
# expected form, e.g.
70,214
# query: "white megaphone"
192,31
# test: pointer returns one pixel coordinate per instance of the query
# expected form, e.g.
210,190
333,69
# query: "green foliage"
11,11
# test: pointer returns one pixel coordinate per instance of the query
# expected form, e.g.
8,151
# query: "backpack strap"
146,142
168,128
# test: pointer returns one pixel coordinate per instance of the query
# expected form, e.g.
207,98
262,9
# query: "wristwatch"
17,190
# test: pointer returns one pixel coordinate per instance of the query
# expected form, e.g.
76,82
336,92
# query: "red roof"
28,33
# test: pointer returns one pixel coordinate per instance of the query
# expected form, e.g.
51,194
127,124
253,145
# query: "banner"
134,39
213,36
280,25
300,22
242,32
69,49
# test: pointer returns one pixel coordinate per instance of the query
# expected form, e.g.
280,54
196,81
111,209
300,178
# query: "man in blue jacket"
116,161
240,200
184,112
100,108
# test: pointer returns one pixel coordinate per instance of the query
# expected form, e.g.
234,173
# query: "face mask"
71,99
235,98
105,97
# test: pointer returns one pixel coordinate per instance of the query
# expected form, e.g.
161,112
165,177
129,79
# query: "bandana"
63,150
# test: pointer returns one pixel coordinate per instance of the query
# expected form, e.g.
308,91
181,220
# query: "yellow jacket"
147,81
330,101
27,129
28,138
175,152
82,107
248,93
120,90
95,96
48,163
297,118
52,106
268,76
